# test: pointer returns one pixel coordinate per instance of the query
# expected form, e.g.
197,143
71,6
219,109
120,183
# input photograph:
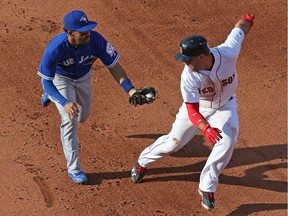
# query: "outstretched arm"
140,96
245,23
121,77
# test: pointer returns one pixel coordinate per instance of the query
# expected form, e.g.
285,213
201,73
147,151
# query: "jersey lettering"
68,62
83,58
88,57
206,90
228,81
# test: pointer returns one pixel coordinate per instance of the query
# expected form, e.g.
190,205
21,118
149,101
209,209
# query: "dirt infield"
146,33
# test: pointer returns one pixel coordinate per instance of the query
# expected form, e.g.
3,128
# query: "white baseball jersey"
214,88
215,91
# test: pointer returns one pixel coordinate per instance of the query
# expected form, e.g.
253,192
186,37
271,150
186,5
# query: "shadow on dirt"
253,177
247,209
145,136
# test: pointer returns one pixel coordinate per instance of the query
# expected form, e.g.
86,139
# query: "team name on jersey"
206,90
71,61
68,62
85,58
229,80
224,82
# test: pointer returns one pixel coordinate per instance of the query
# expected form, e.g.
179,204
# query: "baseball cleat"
137,173
78,178
45,101
208,200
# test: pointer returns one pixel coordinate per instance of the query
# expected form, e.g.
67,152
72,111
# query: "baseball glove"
145,95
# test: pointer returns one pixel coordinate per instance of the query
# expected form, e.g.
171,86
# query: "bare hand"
72,109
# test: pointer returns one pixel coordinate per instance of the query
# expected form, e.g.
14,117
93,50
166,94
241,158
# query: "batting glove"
249,18
212,134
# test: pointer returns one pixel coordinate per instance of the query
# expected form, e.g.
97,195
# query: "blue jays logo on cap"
77,21
84,18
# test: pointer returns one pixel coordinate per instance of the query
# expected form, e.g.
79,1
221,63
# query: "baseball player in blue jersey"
65,72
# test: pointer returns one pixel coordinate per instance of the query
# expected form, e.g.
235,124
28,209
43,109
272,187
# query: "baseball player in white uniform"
208,84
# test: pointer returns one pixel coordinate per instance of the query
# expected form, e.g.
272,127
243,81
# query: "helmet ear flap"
206,49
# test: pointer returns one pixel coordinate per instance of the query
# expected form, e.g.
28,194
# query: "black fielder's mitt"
145,95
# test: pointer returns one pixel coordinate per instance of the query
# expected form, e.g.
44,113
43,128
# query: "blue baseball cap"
77,21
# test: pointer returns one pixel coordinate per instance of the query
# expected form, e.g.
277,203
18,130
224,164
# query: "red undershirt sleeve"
194,115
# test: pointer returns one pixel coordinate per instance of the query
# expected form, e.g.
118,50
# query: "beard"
83,41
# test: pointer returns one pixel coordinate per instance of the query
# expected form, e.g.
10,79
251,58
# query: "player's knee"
231,137
234,135
83,117
171,145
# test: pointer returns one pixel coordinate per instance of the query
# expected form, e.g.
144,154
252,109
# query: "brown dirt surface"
146,33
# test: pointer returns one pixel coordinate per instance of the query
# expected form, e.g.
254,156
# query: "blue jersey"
74,62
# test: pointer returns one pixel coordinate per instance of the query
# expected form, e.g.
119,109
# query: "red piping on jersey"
154,148
214,93
217,75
